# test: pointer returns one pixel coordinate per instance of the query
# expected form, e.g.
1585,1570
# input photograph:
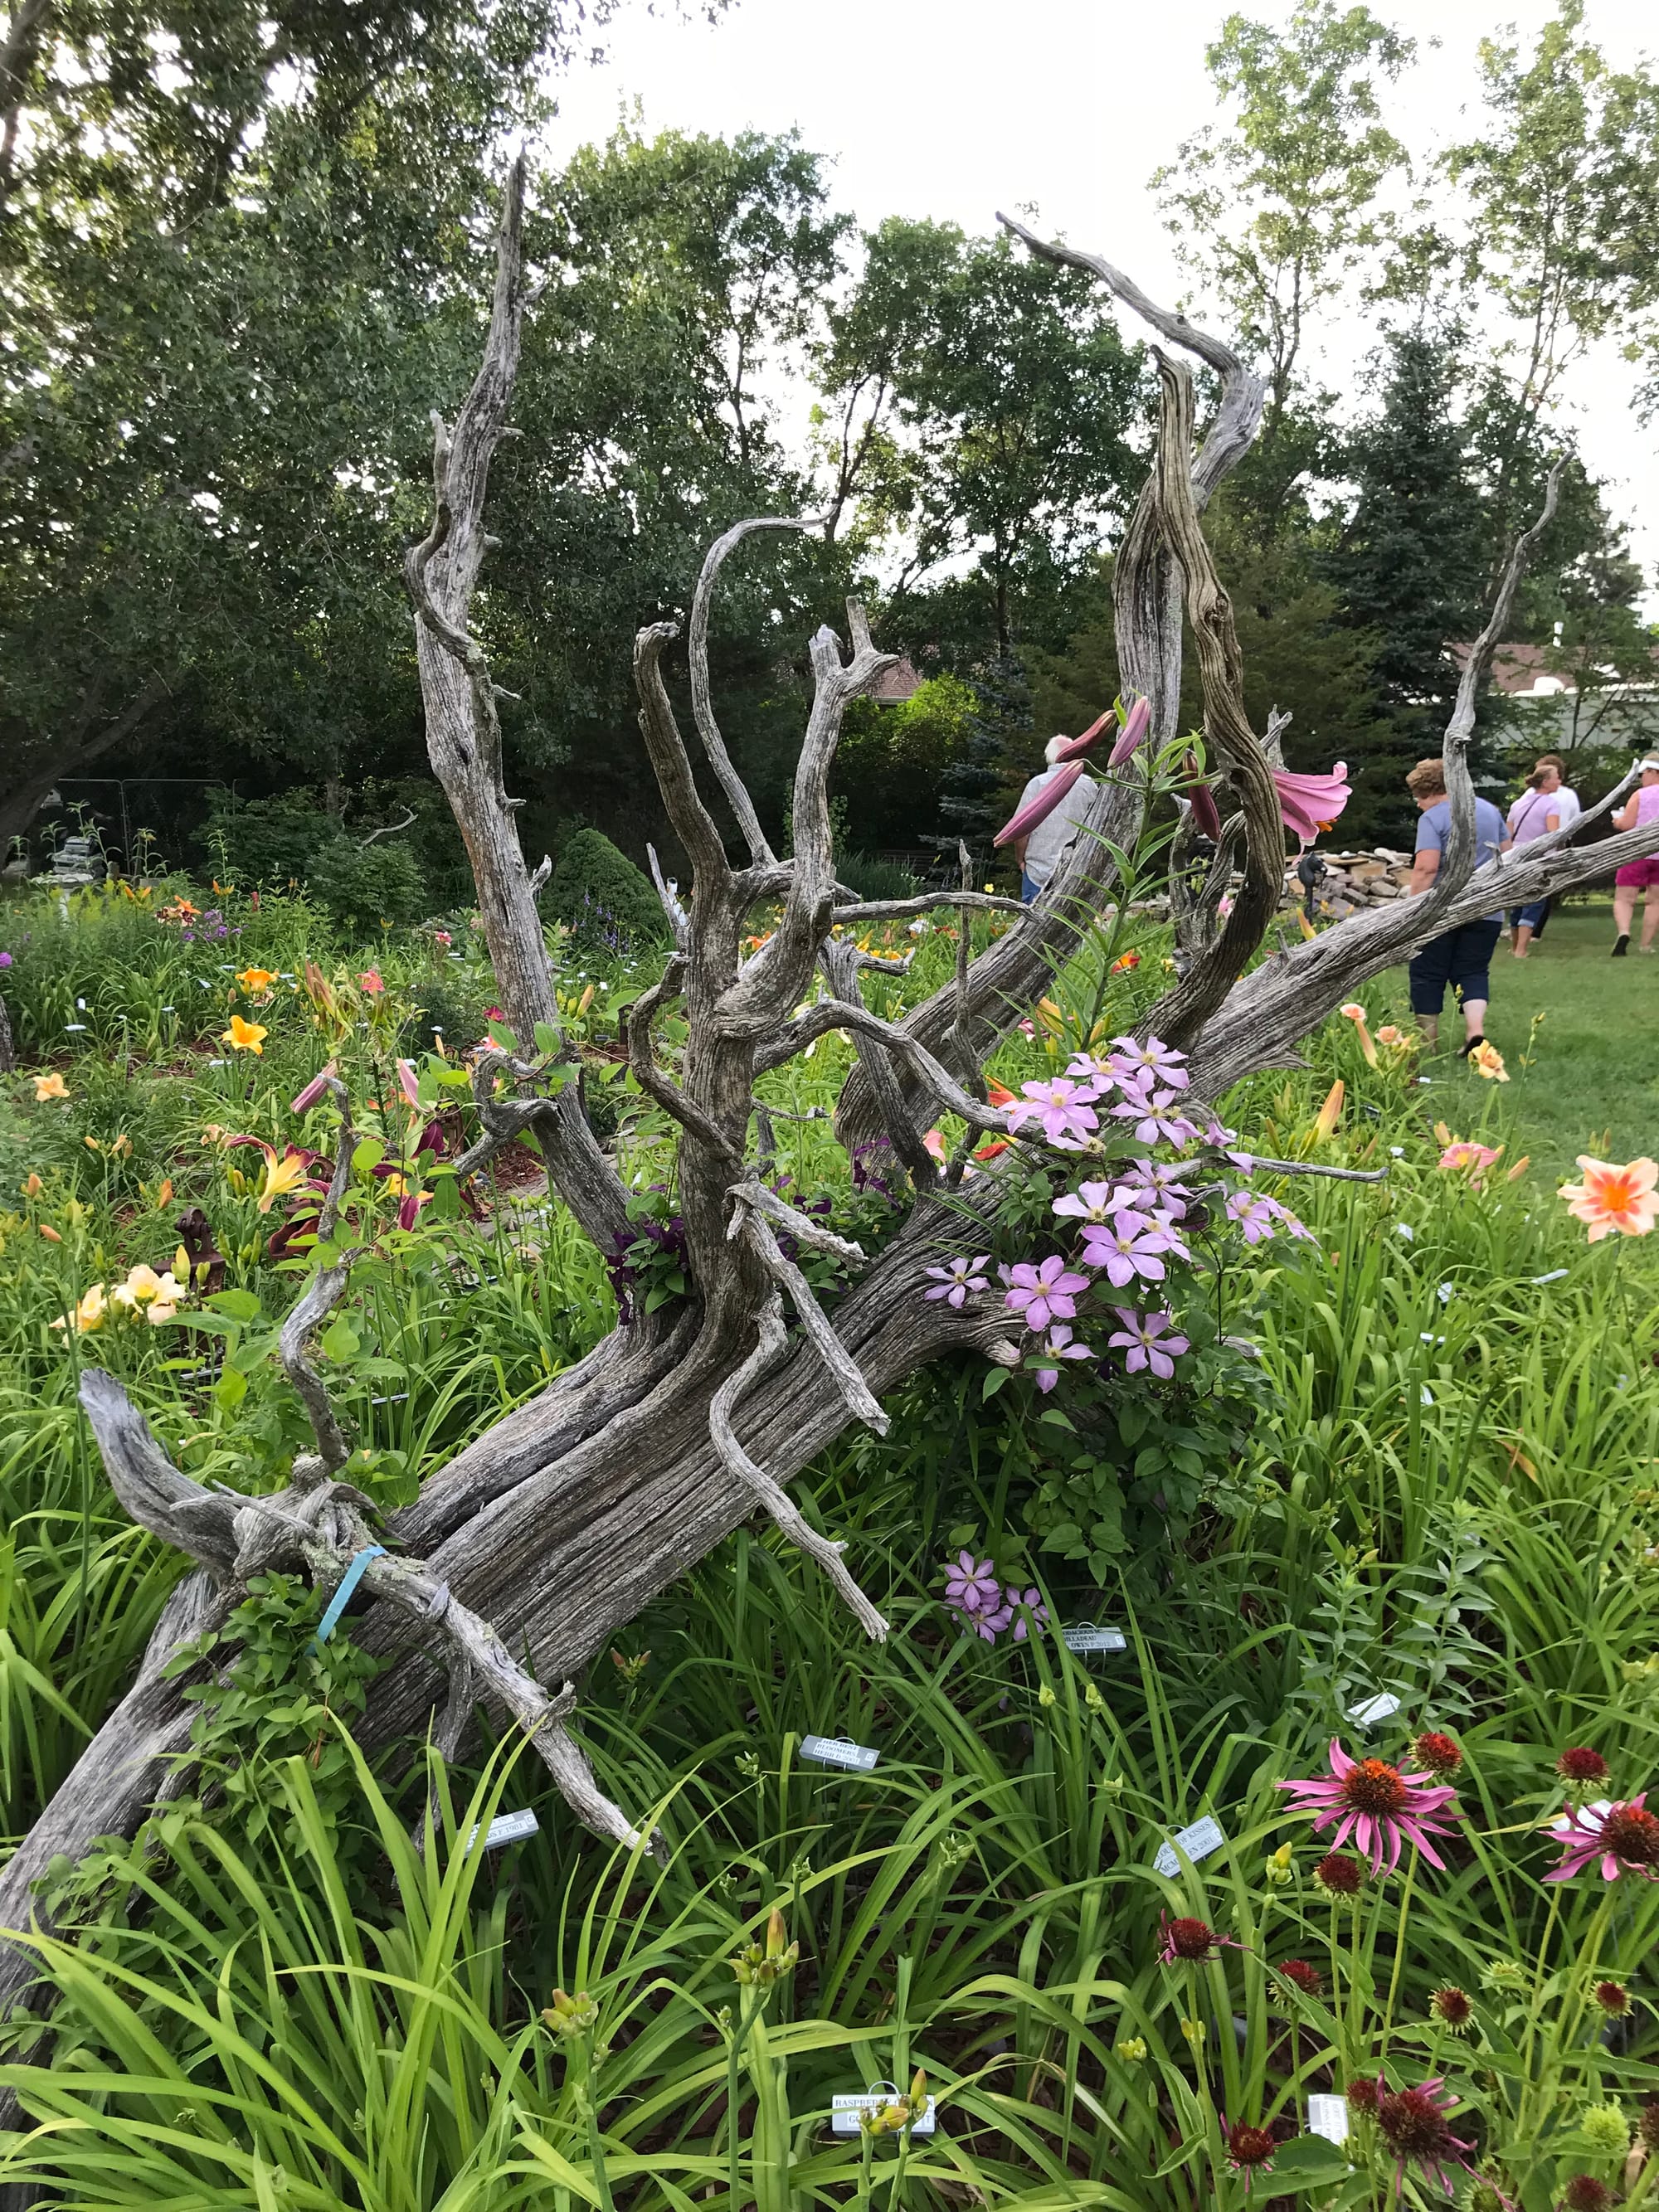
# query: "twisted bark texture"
525,1554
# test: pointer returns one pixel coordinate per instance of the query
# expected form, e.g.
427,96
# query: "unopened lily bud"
1280,1870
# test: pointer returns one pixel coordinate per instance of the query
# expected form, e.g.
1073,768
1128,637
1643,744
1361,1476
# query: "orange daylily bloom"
371,982
50,1086
257,981
245,1037
1487,1061
1330,1111
32,1186
1614,1198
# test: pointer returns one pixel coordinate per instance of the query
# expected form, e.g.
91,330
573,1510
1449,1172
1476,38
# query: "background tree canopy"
241,253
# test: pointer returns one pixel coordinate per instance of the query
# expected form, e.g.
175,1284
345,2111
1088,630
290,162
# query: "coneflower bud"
1339,1876
1440,1755
1302,1977
1361,2094
1581,1768
1585,2193
1613,1999
1607,2130
1452,2008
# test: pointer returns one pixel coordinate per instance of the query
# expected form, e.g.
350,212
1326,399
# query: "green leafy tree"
1277,216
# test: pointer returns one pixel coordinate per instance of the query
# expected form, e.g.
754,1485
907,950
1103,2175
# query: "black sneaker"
1621,945
1473,1044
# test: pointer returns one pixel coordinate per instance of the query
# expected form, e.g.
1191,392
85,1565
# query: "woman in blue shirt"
1462,957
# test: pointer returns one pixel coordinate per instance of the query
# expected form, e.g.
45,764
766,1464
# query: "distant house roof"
895,684
1519,672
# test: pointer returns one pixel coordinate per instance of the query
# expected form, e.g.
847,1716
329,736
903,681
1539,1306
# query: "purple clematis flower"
1063,1108
1252,1215
962,1279
1130,1249
1145,1342
1156,1060
1059,1347
1028,1605
1044,1293
1282,1212
971,1584
1096,1201
1098,1069
1155,1121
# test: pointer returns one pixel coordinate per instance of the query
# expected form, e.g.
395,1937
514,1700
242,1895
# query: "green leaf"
994,1383
339,1339
241,1305
367,1156
231,1389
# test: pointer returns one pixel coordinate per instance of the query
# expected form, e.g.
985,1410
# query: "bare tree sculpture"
552,1530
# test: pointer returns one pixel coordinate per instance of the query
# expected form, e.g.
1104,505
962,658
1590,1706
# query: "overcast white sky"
953,108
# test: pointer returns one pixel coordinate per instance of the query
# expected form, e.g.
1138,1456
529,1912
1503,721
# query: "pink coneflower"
1412,2124
1361,2095
1381,1808
1190,1942
1621,1832
1249,2149
1585,2193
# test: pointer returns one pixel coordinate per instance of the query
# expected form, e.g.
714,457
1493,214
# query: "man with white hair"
1041,854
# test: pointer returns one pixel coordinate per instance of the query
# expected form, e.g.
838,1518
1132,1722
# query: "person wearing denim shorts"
1638,877
1461,956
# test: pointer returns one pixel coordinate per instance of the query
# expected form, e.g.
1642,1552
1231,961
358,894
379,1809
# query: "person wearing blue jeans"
1461,956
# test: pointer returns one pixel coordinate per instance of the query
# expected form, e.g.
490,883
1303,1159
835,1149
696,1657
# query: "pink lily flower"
316,1089
1308,804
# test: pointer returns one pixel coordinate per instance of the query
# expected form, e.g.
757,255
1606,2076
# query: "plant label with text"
1085,1637
846,2112
506,1829
833,1751
1198,1842
1329,2117
1371,1710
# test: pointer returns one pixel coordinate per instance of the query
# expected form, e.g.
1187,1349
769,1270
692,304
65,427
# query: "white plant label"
1372,1710
506,1829
1329,2117
1198,1842
1085,1637
833,1751
846,2112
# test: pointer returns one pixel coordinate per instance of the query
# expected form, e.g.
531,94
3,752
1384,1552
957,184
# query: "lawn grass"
1593,1082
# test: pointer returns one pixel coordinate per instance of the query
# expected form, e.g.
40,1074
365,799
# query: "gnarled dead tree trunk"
525,1554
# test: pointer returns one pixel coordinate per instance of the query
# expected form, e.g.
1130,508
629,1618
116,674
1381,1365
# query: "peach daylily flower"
1487,1061
372,982
1325,1122
91,1313
156,1297
1614,1198
245,1037
1464,1156
1354,1013
50,1086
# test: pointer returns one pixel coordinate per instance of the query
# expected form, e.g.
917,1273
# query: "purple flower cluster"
986,1607
1257,1217
211,925
1148,1077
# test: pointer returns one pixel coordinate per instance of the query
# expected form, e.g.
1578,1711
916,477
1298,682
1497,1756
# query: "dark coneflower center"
1305,1977
1191,1939
1632,1834
1586,2194
1578,1764
1248,2146
1413,2125
1373,1786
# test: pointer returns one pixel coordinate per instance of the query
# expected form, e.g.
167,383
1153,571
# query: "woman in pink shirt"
1636,876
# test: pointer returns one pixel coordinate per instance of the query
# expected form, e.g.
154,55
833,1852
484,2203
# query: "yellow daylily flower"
50,1086
157,1296
281,1177
257,981
244,1036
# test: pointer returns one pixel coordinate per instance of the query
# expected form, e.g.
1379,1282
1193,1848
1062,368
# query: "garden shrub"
608,904
364,886
269,843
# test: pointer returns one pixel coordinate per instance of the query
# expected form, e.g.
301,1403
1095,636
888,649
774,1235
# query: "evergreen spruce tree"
973,797
1410,566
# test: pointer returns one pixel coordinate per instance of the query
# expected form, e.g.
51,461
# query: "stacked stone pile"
1352,880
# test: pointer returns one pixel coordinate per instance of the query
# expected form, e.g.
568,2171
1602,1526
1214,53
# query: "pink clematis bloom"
958,1280
1063,1108
1253,1216
1042,1294
1158,1182
1145,1342
971,1584
1153,1114
1100,1071
1621,1832
1381,1808
1308,804
1057,1347
1130,1249
1153,1058
1096,1201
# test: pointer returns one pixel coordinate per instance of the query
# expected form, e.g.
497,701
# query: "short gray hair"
1051,751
